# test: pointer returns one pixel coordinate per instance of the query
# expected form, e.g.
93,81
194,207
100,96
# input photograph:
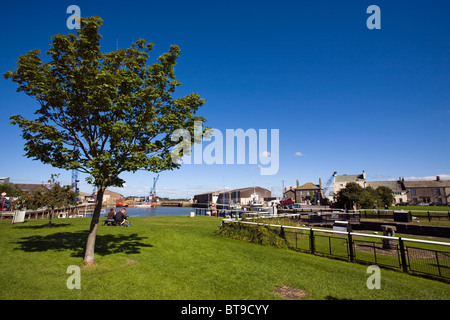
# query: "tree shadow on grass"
42,226
76,242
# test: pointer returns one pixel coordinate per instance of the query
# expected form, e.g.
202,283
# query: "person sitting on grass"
111,217
121,218
125,217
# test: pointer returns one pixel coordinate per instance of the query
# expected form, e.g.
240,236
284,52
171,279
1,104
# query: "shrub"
254,234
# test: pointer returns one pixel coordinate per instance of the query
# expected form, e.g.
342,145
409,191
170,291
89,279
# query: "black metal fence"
413,256
429,215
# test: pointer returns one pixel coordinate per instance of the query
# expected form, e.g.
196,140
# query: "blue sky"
344,98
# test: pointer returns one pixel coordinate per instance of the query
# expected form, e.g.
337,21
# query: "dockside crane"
75,182
328,184
153,190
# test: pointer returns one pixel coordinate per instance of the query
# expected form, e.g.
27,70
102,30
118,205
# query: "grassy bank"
179,258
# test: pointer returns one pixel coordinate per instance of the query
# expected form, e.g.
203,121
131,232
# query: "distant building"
413,192
241,196
307,191
340,181
29,187
397,187
84,196
435,191
4,179
110,197
303,193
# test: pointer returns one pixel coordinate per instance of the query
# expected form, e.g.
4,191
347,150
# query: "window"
413,192
438,191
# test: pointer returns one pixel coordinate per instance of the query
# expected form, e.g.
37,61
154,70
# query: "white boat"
144,205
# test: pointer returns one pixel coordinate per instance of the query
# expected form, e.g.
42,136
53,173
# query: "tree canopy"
354,194
102,113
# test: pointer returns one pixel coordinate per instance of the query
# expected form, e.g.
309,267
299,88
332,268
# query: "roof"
393,185
112,194
234,190
308,186
348,178
28,187
427,184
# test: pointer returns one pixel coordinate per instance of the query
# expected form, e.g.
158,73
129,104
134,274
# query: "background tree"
50,197
350,195
311,196
368,198
31,201
10,189
385,196
353,193
56,196
102,113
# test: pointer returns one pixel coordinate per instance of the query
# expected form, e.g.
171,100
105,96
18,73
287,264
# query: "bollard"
403,255
350,247
311,241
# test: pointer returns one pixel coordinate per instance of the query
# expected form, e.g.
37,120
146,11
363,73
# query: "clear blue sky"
344,98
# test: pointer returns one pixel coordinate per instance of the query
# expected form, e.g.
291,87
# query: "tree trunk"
50,218
90,243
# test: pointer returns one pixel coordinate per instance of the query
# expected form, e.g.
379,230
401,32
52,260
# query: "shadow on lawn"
76,242
41,226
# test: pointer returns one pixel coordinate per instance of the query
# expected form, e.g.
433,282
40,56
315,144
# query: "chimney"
320,183
438,178
364,175
298,185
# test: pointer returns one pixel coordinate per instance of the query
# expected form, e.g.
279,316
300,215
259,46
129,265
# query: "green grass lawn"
179,258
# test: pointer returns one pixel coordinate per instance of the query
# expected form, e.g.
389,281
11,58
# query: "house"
84,196
241,196
289,194
305,193
414,192
435,191
4,179
340,181
29,187
397,187
110,197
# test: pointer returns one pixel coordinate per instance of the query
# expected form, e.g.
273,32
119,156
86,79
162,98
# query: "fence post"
429,217
311,241
403,255
350,247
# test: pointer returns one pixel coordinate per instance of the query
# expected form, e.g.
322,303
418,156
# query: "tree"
102,113
311,196
350,195
10,189
49,197
368,198
353,193
56,196
385,196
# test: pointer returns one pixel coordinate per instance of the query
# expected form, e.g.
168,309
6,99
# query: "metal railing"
430,215
413,256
